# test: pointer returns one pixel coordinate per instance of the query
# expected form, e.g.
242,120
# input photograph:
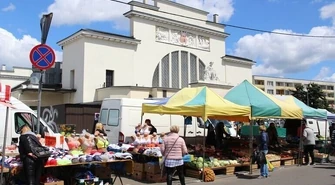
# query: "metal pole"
251,142
4,146
39,102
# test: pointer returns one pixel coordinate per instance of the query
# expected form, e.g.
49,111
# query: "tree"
313,96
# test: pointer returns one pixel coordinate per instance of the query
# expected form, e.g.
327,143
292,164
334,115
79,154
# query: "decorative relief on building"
162,34
210,73
183,38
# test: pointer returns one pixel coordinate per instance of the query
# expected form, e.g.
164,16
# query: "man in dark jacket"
263,147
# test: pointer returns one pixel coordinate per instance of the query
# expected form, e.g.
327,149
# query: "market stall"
262,106
199,102
308,113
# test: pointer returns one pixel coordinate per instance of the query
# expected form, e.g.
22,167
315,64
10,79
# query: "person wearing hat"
32,166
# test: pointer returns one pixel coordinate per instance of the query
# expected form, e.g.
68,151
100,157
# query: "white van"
120,116
320,127
20,113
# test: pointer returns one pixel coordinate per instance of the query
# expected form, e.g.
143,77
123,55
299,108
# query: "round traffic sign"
42,57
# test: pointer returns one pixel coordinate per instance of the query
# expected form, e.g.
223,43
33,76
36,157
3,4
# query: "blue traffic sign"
42,57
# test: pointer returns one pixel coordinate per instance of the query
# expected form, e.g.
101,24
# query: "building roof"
231,58
98,34
295,79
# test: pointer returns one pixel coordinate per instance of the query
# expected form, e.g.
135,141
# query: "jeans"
180,171
309,149
264,167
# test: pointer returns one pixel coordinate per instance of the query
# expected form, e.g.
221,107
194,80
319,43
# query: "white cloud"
224,8
279,54
10,7
16,50
325,74
87,11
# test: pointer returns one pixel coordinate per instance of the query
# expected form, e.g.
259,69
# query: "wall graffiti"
50,115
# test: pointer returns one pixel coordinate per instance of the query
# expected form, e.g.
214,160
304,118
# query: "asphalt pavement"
321,174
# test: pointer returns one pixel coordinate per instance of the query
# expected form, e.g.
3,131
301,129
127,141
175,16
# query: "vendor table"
118,173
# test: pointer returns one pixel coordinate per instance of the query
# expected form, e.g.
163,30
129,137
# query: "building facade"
164,52
15,76
284,86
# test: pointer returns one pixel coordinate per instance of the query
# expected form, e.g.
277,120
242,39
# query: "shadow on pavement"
325,167
244,176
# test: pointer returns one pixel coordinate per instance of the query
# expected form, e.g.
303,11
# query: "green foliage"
313,96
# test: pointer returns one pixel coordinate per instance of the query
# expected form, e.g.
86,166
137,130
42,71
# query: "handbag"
162,162
41,152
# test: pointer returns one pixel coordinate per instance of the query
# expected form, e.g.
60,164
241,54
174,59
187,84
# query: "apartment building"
283,86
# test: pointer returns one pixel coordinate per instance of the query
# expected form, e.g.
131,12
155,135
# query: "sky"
311,58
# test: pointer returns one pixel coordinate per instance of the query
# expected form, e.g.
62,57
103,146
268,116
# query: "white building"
15,76
283,86
164,53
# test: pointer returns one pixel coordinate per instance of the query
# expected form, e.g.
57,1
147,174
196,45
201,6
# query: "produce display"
199,163
272,157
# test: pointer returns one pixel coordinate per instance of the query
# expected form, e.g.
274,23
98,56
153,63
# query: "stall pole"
300,156
251,141
326,140
203,152
4,146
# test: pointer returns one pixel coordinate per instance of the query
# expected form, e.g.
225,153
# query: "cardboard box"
54,183
140,176
152,168
155,178
102,172
139,167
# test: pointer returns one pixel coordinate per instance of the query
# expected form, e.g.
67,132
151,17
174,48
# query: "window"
72,76
270,91
270,83
164,93
177,70
23,118
113,117
330,87
109,78
103,116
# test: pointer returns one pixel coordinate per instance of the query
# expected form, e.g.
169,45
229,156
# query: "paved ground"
304,175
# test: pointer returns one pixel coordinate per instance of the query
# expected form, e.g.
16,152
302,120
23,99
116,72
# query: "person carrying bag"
173,149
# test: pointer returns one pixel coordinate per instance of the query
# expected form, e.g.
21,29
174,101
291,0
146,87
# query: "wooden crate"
193,173
229,170
289,162
275,164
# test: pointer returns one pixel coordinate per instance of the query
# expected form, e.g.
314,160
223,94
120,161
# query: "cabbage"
199,165
206,165
216,164
200,159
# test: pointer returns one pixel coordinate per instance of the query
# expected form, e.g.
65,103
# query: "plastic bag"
270,166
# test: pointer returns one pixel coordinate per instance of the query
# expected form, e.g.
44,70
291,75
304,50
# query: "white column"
170,70
179,68
197,67
189,67
159,74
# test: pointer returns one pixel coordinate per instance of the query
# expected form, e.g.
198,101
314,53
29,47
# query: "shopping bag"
270,166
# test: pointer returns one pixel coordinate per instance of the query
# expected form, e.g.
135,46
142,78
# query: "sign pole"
45,23
39,101
4,146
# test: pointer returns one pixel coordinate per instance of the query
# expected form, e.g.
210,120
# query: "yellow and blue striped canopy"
199,102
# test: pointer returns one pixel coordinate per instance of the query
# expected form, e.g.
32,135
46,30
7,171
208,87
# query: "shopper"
99,129
273,135
309,144
32,165
173,149
263,142
153,128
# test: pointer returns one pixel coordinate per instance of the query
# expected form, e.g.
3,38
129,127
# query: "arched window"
177,70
